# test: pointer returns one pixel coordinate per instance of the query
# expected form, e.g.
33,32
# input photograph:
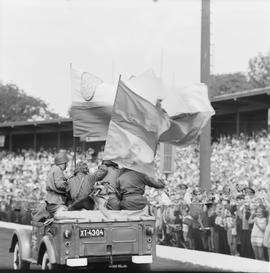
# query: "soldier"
131,186
113,202
82,187
56,185
81,184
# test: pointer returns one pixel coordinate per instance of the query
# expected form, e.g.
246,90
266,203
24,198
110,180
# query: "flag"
189,109
134,130
92,102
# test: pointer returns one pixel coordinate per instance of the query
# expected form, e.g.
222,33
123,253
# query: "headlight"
149,231
67,234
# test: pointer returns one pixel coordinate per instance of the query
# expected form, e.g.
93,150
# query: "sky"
39,39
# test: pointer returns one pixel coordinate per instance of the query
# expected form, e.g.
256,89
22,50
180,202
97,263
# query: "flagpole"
112,71
116,90
74,151
74,138
113,105
161,63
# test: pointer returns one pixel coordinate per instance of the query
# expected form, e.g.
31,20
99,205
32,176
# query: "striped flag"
134,130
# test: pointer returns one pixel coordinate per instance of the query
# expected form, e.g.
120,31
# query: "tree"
259,70
16,105
228,83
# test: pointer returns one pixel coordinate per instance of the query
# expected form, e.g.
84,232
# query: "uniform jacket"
56,185
132,182
111,176
80,186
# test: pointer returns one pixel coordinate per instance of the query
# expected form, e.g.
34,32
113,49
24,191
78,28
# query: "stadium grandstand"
239,178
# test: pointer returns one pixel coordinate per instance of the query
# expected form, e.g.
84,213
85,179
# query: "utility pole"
205,138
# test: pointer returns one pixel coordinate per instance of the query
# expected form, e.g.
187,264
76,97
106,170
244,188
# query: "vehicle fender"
47,243
23,236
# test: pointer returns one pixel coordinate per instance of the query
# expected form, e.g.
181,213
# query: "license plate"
91,232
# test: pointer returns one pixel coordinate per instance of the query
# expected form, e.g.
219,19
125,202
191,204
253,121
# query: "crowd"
231,218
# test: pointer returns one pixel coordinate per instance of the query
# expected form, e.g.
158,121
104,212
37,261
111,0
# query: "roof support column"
58,139
83,146
35,141
237,123
74,151
10,144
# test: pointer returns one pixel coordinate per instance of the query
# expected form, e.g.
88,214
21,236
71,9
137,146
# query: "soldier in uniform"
56,185
81,184
113,202
131,186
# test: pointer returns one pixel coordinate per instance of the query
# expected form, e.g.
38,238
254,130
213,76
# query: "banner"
92,102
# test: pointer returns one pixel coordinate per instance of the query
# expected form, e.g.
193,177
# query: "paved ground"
158,265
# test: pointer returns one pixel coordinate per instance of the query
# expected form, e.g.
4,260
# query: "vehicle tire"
46,263
18,263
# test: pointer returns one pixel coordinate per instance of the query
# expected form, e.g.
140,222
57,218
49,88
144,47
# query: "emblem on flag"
89,85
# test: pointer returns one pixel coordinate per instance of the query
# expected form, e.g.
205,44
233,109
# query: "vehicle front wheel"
18,263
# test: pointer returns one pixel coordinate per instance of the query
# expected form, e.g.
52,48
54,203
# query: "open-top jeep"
84,238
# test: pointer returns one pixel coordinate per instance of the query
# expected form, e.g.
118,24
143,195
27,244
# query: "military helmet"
109,163
60,158
81,167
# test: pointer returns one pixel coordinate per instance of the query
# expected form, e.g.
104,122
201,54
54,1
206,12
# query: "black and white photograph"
135,135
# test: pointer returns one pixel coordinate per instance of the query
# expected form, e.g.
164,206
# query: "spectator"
196,211
222,234
259,221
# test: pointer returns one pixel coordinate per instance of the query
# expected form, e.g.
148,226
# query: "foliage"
259,70
16,105
228,83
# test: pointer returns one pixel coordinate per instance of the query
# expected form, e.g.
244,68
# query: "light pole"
205,138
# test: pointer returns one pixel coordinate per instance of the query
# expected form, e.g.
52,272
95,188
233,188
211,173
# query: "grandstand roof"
42,126
34,123
247,100
242,101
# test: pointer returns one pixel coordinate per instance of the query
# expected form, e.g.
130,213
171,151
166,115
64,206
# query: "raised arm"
151,182
60,181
